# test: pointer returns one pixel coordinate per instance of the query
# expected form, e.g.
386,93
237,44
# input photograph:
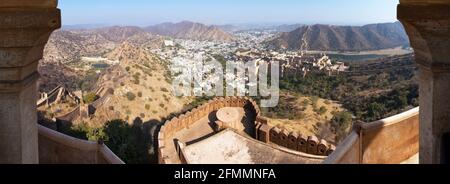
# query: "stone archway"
25,26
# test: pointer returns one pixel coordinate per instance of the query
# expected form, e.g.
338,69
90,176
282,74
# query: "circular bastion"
254,125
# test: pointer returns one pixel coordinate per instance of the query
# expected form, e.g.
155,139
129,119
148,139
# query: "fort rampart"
262,130
176,124
292,140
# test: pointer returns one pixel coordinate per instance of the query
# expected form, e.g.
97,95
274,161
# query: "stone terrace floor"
229,147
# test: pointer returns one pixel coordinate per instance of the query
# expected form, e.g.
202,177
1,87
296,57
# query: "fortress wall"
292,140
391,140
388,141
69,117
57,148
50,98
76,112
104,96
171,127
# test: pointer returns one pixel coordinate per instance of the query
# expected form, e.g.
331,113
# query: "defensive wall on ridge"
85,110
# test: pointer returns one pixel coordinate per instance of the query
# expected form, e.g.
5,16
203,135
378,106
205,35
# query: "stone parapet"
388,141
57,148
292,140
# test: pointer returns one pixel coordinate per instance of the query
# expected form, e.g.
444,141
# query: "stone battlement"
292,140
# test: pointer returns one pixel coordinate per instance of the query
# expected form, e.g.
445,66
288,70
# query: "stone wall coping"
67,140
390,120
354,136
108,155
342,149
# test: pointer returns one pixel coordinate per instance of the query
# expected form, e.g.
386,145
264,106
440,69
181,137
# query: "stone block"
302,144
293,141
313,142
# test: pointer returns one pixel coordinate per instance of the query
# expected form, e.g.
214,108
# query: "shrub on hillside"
342,122
322,110
128,112
305,102
90,98
163,89
131,96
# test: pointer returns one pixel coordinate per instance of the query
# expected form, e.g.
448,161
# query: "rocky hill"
68,46
142,87
191,30
341,38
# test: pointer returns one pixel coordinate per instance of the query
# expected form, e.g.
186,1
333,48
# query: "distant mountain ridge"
191,30
342,38
67,46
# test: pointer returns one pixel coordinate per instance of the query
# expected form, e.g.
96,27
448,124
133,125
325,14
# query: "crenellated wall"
292,140
85,110
185,120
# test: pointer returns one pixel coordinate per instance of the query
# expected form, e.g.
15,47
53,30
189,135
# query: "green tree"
127,141
375,111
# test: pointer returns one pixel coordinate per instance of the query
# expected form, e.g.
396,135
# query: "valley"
123,76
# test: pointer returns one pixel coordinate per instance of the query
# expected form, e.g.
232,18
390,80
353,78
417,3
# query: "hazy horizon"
221,12
97,25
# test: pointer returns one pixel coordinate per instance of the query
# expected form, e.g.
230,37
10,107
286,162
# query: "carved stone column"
25,27
428,26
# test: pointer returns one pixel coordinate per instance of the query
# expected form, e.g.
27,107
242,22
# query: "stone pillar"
428,26
25,27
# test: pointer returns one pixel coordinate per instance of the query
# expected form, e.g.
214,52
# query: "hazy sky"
147,12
